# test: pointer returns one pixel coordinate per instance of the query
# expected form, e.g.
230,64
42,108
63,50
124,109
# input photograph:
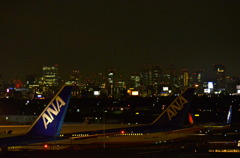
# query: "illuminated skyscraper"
50,75
134,81
32,81
145,76
219,70
196,78
111,81
75,77
156,75
171,76
151,75
231,82
184,78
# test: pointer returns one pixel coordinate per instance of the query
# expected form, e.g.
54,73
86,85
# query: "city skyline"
207,75
96,36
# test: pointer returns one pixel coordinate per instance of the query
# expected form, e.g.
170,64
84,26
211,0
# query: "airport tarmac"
192,146
119,153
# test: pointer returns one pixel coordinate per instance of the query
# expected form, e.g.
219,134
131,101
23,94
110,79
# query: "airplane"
215,133
210,129
47,126
167,126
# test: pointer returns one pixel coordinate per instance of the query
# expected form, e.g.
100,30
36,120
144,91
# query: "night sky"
93,36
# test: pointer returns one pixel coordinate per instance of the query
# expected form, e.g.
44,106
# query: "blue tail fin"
49,122
229,116
176,112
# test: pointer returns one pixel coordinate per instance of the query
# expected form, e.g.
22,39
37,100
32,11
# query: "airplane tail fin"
229,116
176,112
49,122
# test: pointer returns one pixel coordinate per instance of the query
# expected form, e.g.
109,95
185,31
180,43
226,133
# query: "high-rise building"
75,77
1,83
171,77
111,81
156,75
32,81
134,81
151,75
50,75
144,76
196,78
231,84
219,70
184,78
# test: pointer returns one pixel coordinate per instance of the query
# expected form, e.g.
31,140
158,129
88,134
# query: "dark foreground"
115,153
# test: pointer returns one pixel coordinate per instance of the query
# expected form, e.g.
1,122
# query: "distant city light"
96,93
220,70
129,91
238,87
207,90
210,85
165,88
135,93
164,94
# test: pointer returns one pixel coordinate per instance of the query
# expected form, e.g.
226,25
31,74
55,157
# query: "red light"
122,131
190,118
45,146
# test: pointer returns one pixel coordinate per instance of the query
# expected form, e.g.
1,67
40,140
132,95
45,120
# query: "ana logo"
176,106
53,109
